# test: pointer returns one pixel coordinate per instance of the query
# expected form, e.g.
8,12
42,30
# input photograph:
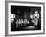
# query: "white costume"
36,17
12,17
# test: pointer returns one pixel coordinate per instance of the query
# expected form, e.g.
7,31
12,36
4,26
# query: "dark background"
20,11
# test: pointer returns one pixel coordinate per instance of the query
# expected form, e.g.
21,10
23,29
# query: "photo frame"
24,11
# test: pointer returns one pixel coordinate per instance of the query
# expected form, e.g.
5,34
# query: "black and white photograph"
25,18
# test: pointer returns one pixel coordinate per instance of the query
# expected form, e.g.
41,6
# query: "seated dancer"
35,18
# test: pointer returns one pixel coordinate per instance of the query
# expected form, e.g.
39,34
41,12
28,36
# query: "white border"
24,32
